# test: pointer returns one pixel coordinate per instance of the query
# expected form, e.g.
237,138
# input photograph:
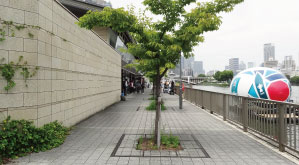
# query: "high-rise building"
271,64
188,66
226,67
189,62
234,65
250,65
297,70
269,52
242,66
211,72
183,62
288,65
176,70
198,68
188,72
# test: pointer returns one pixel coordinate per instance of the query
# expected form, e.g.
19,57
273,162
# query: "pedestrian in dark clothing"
172,88
132,86
142,85
124,87
138,86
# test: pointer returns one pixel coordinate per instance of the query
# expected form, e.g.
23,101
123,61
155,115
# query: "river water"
294,94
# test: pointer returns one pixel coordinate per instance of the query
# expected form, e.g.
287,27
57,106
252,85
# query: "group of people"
133,86
168,87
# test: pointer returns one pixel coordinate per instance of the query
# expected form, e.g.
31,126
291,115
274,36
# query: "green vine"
19,27
30,35
12,27
8,23
2,35
8,72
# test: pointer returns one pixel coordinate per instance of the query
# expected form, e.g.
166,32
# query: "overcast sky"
245,30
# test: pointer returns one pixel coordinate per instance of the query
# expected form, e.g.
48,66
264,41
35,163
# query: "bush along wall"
20,137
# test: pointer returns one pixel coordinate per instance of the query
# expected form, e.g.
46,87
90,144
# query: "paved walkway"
93,140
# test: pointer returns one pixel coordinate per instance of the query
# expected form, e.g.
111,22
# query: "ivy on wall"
8,71
12,27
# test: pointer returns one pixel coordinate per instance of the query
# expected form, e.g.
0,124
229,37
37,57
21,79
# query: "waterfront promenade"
207,140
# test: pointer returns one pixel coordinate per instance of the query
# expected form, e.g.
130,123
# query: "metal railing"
278,121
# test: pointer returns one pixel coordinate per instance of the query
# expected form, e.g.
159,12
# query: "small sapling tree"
160,44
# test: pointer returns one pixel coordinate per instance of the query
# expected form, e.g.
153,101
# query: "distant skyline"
244,32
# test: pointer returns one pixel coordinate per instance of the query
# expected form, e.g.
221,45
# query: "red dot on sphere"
279,91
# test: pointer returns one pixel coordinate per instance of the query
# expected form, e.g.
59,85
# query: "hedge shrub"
20,137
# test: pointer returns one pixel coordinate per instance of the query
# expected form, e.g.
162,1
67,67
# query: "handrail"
275,120
278,102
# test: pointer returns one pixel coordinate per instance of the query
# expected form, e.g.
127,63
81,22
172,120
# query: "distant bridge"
192,80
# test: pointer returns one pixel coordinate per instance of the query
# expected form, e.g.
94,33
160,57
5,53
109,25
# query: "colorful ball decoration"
261,82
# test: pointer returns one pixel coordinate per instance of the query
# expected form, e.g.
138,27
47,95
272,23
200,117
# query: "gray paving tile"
93,140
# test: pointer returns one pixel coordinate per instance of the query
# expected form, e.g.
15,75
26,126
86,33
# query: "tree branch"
163,73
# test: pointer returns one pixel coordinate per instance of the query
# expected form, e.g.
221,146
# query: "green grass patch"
20,137
140,142
152,106
152,98
168,142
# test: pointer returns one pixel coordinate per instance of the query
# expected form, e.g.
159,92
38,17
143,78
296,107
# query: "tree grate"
126,147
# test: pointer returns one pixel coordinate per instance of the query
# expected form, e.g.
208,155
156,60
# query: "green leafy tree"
226,75
160,44
201,75
295,80
217,76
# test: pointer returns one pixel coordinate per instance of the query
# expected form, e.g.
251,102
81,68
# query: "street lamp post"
180,93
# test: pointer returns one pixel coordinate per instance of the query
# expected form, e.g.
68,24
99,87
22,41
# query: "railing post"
196,97
187,93
224,107
211,98
281,127
192,95
245,113
202,105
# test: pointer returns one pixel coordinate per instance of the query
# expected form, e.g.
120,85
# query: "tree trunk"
154,89
158,114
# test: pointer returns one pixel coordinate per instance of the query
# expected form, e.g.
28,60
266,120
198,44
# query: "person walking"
123,88
142,85
131,86
126,87
138,86
172,87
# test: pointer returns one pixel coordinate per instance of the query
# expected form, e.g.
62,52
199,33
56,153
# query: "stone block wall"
79,75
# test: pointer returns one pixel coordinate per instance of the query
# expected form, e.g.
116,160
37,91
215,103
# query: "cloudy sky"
245,30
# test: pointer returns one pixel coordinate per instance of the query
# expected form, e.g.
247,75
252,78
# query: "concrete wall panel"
79,75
